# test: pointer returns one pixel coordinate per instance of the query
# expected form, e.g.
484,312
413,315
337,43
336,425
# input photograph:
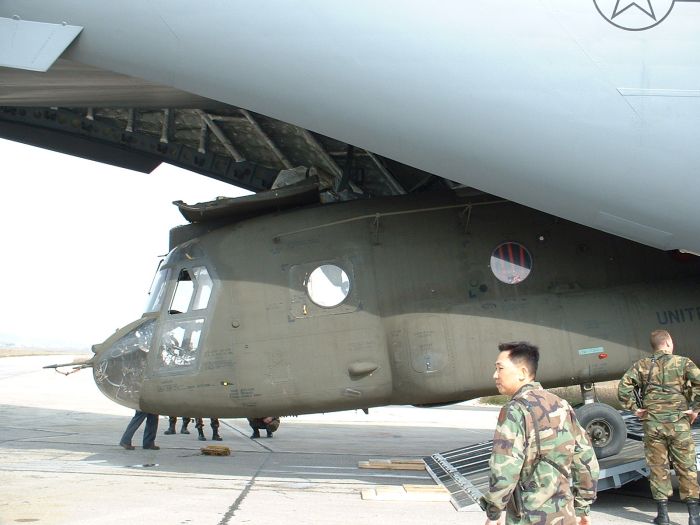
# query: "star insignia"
626,4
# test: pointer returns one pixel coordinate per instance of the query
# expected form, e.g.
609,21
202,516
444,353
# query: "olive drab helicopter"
276,304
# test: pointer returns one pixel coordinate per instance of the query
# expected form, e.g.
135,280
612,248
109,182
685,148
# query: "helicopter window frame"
179,344
503,263
204,288
194,296
182,293
158,291
325,287
300,306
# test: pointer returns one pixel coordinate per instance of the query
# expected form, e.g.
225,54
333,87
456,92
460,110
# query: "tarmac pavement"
60,463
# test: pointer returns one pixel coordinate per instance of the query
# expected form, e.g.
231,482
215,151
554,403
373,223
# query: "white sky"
81,241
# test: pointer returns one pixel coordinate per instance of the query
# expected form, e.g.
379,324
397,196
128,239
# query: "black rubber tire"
605,428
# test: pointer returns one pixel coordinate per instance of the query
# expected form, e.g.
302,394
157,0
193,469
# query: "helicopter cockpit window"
511,263
157,293
204,286
328,285
192,290
179,344
181,335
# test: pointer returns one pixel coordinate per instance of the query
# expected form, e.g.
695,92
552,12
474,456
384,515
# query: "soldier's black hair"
522,352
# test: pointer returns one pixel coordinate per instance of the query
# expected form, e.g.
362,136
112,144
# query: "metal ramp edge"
464,471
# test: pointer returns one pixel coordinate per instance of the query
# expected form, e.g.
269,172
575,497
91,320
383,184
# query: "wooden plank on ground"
393,464
426,488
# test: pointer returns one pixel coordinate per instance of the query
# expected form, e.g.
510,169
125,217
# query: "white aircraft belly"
538,102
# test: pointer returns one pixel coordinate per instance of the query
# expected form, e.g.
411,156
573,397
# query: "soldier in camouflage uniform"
539,448
663,381
199,425
172,420
270,424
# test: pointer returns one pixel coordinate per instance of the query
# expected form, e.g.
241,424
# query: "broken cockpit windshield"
119,369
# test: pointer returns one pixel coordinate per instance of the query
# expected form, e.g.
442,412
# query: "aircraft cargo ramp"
464,472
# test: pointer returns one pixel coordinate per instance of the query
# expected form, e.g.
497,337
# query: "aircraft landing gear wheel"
605,428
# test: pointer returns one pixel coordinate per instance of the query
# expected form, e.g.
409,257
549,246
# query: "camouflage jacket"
563,484
674,386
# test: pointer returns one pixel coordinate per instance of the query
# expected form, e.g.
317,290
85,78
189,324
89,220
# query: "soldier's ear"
524,373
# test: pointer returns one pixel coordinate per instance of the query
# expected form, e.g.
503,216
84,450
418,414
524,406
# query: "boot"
269,433
171,429
184,430
215,429
256,434
662,512
201,435
693,516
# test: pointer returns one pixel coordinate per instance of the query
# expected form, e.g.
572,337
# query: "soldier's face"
509,377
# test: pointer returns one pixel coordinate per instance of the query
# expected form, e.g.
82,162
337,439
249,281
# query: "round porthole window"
511,263
328,285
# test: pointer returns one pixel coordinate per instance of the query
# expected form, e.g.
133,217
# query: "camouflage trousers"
543,518
553,512
674,440
214,421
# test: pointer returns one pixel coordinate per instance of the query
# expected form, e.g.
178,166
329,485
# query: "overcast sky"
81,242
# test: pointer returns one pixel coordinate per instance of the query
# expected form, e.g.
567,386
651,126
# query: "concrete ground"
60,463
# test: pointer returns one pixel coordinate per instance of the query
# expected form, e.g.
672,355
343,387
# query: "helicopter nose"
120,364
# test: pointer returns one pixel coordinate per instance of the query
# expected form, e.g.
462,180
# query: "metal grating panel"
464,472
